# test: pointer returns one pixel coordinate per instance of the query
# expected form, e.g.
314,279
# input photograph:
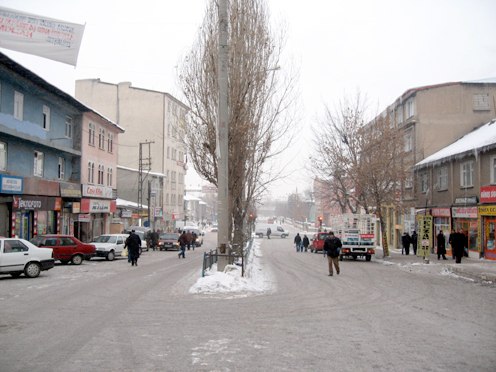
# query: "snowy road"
372,317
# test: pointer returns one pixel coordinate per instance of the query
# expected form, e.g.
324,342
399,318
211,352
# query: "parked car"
19,256
214,228
65,247
110,245
168,241
317,242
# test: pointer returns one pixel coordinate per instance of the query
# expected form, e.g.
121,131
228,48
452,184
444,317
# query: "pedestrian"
154,239
306,242
133,244
459,243
414,242
269,231
190,239
332,245
441,245
297,241
183,241
406,241
194,236
450,240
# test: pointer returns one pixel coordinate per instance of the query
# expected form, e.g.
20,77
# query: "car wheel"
355,257
283,236
260,236
77,259
111,256
368,257
32,270
15,275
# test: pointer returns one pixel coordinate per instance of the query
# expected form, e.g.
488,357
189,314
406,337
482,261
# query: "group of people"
301,243
406,240
186,239
457,240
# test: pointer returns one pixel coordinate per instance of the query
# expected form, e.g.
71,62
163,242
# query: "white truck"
357,233
276,230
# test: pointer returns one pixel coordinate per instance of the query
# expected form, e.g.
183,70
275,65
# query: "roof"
479,140
191,198
36,79
128,204
137,170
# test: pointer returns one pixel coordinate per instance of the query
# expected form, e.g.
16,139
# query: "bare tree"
261,102
369,155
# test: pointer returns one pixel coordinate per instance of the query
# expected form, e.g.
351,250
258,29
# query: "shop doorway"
490,239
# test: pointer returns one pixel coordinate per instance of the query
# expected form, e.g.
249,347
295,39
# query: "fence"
209,258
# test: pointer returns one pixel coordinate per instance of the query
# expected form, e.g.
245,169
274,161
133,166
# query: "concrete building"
147,116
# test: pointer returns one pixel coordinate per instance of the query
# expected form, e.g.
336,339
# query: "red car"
318,241
65,248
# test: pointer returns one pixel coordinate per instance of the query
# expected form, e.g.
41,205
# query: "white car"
19,256
109,245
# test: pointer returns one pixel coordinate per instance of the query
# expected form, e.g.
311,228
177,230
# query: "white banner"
40,36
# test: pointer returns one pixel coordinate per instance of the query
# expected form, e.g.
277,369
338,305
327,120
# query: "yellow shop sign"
489,210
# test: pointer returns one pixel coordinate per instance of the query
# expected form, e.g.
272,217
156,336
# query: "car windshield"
37,239
322,236
169,236
105,239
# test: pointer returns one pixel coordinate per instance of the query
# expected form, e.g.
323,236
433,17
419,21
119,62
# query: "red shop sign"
488,194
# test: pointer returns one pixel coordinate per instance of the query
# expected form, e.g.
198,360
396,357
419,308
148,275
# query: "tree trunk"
385,246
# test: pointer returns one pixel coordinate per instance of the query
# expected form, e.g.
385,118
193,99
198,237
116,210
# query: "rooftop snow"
479,140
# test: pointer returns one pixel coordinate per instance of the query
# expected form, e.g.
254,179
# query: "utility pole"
223,140
145,164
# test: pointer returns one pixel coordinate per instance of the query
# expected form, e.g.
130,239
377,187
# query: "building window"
91,134
19,105
442,178
101,139
61,168
408,142
110,143
3,156
91,172
399,115
110,174
38,163
467,174
46,117
410,108
409,181
424,182
493,169
481,102
68,127
101,174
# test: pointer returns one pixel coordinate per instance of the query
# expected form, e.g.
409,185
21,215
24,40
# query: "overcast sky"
381,47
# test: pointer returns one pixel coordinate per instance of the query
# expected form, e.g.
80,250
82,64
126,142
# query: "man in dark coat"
297,241
183,241
459,242
406,241
414,242
332,245
133,244
441,245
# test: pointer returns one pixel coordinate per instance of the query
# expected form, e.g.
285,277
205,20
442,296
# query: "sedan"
168,241
65,247
19,256
110,245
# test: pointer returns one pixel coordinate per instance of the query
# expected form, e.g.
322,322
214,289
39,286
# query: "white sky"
382,47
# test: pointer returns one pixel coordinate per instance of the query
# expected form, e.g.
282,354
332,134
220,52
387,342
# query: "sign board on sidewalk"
424,236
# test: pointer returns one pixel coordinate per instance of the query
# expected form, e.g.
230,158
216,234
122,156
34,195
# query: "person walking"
305,242
183,241
297,241
190,239
269,231
459,243
441,245
193,239
332,245
450,241
154,239
414,242
133,244
406,241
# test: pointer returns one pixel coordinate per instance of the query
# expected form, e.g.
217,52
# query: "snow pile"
255,281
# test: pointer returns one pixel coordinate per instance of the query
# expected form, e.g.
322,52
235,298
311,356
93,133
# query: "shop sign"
97,191
489,210
126,214
158,212
95,206
29,203
424,236
70,190
152,205
175,216
58,204
441,212
84,217
76,207
465,212
488,194
466,200
10,184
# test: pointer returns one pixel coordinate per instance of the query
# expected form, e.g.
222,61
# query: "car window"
64,242
120,240
280,228
105,239
49,242
169,236
13,246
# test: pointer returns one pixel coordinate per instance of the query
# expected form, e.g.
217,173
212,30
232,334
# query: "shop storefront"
71,207
487,220
466,218
9,186
442,222
100,211
33,215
